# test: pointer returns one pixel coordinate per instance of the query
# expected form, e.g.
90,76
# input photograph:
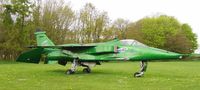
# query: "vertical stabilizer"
42,39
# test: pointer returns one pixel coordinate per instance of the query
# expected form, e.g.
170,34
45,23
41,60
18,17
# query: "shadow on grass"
56,71
79,72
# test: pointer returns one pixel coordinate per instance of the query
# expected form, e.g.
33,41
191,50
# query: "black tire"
69,71
136,74
62,62
87,70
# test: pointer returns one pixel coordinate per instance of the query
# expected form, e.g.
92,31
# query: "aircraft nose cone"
163,54
174,56
169,55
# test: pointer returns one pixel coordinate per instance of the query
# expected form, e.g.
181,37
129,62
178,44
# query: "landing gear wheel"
87,70
69,71
137,74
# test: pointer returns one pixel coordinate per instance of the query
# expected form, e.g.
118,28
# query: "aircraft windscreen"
131,42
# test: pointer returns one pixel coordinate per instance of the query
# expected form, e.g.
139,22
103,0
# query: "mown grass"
108,76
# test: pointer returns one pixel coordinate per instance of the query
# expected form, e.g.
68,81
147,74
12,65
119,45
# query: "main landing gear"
143,68
76,63
87,69
73,67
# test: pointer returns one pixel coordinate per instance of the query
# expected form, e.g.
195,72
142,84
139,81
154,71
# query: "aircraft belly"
57,55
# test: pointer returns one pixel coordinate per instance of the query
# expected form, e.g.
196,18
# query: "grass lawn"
108,76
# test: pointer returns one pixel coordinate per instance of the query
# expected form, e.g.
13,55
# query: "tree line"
20,18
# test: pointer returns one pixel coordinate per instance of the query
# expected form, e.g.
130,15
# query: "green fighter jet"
88,55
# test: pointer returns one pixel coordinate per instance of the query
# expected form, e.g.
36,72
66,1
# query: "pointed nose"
169,55
163,54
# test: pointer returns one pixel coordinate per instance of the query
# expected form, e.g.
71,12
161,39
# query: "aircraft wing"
70,48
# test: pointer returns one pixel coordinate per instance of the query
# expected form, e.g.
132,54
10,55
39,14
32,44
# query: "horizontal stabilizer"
31,56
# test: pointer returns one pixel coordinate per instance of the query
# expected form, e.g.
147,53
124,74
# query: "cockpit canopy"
131,42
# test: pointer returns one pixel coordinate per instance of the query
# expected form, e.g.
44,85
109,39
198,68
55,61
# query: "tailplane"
34,55
31,56
42,39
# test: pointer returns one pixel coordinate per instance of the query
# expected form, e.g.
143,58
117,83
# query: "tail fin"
42,39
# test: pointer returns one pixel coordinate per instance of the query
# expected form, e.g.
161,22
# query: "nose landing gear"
143,66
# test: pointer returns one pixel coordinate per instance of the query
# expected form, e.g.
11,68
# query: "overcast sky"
186,11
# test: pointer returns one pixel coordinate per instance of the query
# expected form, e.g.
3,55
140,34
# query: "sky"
186,11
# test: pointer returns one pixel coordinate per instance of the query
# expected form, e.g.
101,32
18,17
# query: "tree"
6,21
22,9
155,30
14,35
91,23
121,27
179,43
187,30
134,31
185,41
56,19
164,32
